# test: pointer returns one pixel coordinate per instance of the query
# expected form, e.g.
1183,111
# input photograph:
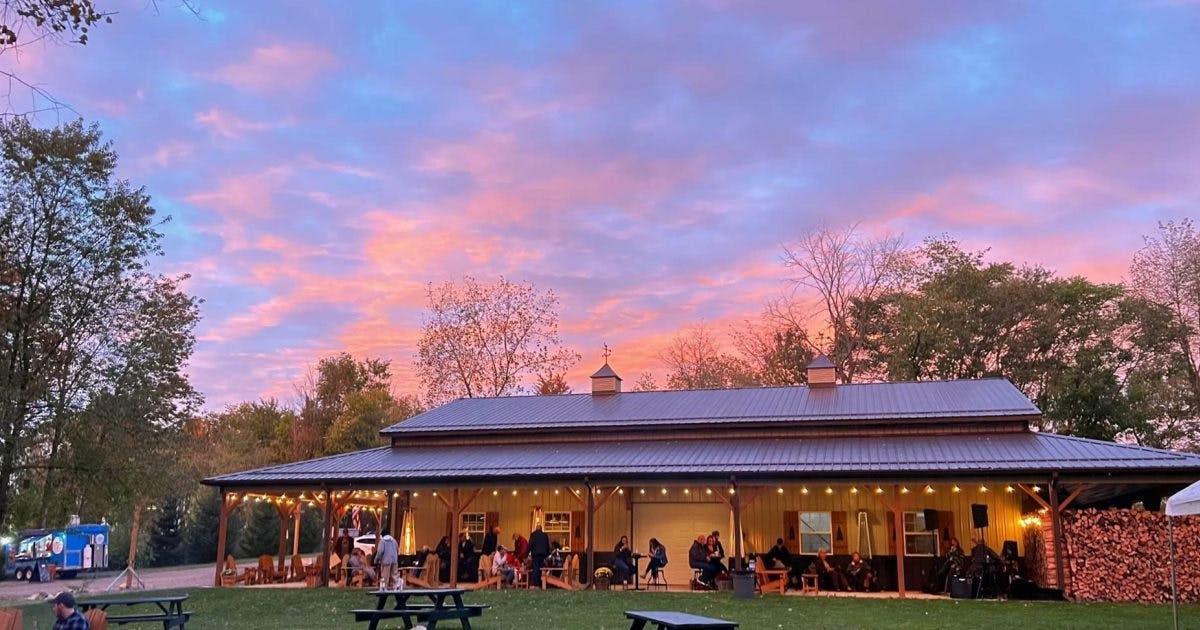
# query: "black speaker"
979,517
931,520
1009,551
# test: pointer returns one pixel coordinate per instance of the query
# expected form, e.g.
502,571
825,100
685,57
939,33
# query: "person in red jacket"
520,548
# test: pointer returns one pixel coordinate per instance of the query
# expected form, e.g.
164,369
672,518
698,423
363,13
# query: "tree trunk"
133,537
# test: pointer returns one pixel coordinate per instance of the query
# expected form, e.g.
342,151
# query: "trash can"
743,584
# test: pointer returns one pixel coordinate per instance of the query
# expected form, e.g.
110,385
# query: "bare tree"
487,339
696,361
843,268
1167,272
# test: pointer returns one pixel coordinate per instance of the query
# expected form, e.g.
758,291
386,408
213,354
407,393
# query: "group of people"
856,575
707,557
356,562
531,554
986,572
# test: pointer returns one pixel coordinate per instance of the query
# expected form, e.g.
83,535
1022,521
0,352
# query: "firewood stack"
1036,556
1123,556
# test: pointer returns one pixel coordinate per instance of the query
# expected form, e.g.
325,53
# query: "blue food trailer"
75,548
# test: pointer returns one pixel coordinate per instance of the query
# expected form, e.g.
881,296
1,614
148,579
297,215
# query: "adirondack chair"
10,619
97,619
312,572
230,577
568,579
298,569
266,569
486,579
766,580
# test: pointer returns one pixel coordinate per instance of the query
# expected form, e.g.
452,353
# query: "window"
557,526
816,532
918,541
474,525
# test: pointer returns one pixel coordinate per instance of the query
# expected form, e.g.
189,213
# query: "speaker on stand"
979,518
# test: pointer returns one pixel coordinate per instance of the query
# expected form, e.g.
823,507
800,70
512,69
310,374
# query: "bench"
665,620
420,612
169,620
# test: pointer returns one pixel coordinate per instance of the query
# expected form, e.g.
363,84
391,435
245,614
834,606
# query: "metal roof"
821,362
984,398
979,454
606,372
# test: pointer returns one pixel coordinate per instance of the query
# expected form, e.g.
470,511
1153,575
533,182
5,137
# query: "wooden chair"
312,572
230,577
522,579
266,569
568,579
298,569
766,580
486,579
10,619
97,619
810,583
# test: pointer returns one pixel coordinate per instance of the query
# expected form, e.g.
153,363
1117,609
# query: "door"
676,526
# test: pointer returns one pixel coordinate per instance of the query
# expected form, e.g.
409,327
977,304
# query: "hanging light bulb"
803,489
1037,489
556,491
619,491
853,489
495,492
535,493
956,489
708,491
828,490
779,490
878,490
686,491
642,491
983,488
904,490
664,490
928,489
514,493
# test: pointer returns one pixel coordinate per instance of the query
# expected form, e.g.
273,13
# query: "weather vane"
607,353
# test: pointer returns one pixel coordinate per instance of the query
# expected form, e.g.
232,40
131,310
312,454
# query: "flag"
356,519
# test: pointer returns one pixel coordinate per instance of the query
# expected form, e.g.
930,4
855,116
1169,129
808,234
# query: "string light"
642,491
556,491
619,491
664,490
495,492
853,489
514,493
435,493
535,493
416,494
803,489
956,489
733,491
983,488
597,490
904,490
779,490
878,490
928,489
1008,488
686,491
1037,489
708,491
828,490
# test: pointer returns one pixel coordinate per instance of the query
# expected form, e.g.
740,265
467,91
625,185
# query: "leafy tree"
91,344
366,414
166,538
326,393
553,383
777,355
645,383
202,524
487,339
1167,272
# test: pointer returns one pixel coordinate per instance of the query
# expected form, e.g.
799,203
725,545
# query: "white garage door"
676,525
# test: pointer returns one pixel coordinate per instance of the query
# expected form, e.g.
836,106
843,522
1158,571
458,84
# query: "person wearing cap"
63,606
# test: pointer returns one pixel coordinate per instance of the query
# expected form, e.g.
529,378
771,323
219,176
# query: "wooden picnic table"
438,610
170,609
664,620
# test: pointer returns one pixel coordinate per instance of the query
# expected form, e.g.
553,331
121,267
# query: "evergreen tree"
260,535
200,529
166,536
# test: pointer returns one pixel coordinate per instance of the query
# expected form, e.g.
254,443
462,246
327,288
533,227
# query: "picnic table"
438,610
170,609
664,620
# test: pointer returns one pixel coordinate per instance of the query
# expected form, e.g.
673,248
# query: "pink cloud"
277,67
247,195
233,126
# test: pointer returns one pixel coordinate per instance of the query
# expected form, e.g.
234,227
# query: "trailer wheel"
21,575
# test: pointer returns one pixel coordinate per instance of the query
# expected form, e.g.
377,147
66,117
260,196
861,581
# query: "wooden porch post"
283,511
222,532
591,533
325,536
1056,525
296,533
454,527
898,516
735,501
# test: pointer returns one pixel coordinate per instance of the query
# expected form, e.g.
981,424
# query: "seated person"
658,559
520,548
502,567
357,564
984,570
698,559
554,560
828,575
862,576
779,557
419,562
948,567
622,560
442,551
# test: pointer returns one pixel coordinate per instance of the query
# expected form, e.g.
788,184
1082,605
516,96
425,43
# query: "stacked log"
1123,556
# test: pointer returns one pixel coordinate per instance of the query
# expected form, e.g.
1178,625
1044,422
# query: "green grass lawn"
318,609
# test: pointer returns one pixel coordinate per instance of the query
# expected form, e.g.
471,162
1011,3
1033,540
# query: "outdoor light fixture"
435,493
642,491
733,491
535,493
1008,488
556,491
664,490
495,492
619,491
708,491
853,489
686,491
1037,488
828,490
803,489
878,490
928,489
514,493
904,490
956,489
983,488
416,494
779,490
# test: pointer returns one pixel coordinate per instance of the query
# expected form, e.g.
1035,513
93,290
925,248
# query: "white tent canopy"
1185,502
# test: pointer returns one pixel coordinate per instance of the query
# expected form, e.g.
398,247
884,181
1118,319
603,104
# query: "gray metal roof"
606,371
821,361
983,455
985,398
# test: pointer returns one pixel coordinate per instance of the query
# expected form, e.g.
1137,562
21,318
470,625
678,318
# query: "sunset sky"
645,160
